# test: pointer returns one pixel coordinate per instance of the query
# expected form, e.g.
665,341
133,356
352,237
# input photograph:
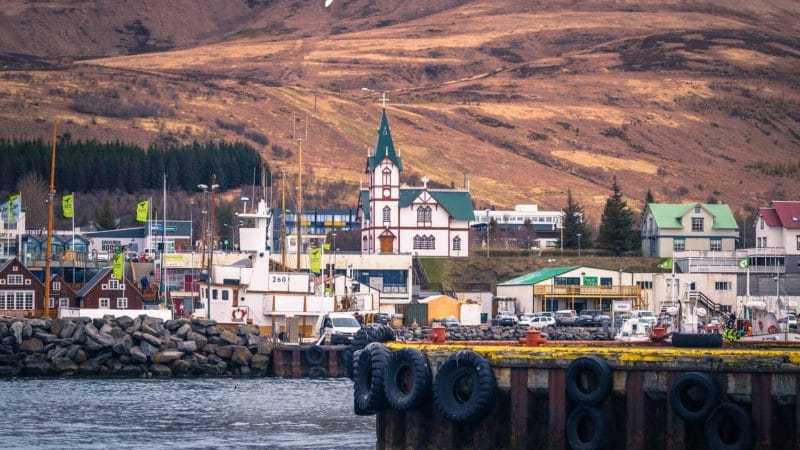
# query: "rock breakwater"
495,333
132,347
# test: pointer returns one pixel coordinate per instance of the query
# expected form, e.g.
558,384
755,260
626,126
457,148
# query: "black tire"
693,396
357,410
464,388
588,380
697,340
370,373
729,428
587,428
408,379
317,372
314,355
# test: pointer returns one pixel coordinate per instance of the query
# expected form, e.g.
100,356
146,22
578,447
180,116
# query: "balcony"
762,260
588,291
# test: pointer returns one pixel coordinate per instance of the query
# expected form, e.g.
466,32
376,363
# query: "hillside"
696,101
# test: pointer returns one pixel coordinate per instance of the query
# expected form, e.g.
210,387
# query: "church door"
387,244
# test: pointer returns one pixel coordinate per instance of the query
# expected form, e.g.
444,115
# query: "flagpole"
73,236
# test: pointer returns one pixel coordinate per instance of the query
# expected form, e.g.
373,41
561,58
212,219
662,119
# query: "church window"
387,214
417,242
424,216
387,177
456,243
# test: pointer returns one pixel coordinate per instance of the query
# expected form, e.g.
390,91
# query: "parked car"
539,322
526,319
505,319
566,317
450,321
383,318
586,317
791,321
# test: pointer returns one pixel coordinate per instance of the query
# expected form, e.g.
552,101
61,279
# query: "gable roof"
537,276
770,216
788,213
456,202
94,281
668,215
384,147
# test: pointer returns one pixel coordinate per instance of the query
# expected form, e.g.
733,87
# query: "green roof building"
669,228
396,218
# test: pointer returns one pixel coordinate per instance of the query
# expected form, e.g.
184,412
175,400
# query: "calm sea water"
182,413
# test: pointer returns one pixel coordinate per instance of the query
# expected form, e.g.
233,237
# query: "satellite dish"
328,3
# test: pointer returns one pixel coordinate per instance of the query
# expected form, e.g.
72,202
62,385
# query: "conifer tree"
105,217
616,225
574,224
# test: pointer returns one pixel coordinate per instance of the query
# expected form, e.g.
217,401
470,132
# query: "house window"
424,216
645,284
387,214
697,224
678,244
798,242
761,223
387,177
716,245
113,284
14,279
52,302
122,303
457,243
722,285
697,210
28,300
214,294
63,302
56,286
431,243
225,295
606,281
104,302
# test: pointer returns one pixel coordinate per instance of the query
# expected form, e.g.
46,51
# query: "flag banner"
66,206
327,246
744,263
141,211
316,259
13,208
666,264
117,266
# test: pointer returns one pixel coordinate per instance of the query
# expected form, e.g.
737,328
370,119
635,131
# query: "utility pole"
283,219
49,251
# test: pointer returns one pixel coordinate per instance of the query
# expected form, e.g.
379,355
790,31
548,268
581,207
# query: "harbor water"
182,413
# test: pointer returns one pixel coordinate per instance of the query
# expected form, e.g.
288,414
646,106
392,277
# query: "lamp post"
579,244
330,271
488,222
244,202
211,189
191,223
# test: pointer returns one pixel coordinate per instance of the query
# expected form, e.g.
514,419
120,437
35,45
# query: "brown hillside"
696,101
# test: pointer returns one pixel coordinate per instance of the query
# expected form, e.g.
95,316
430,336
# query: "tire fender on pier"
464,388
588,380
587,428
730,428
314,355
408,379
370,373
693,396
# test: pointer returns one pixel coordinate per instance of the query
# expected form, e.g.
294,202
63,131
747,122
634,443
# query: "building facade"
397,219
21,293
778,226
669,228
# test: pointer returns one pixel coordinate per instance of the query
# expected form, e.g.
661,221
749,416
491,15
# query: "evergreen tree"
616,225
105,219
574,224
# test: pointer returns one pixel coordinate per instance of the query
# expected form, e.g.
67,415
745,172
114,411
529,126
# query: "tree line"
85,166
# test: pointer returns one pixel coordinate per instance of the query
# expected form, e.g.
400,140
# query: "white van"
336,328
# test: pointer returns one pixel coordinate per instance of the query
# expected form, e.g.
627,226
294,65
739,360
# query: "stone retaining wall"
139,347
496,333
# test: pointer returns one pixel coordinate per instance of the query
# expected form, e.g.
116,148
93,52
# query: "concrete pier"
532,406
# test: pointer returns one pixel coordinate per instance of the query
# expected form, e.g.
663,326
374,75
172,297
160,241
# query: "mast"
48,253
283,219
163,286
299,203
211,248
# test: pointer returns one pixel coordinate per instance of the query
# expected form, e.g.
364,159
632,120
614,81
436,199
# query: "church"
396,218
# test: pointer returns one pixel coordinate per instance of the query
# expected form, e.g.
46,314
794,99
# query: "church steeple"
384,147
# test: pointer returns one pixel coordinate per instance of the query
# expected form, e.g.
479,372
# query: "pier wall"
532,407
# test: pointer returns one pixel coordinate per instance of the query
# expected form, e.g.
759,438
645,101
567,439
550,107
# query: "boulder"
124,359
203,322
103,358
160,370
57,352
187,346
149,330
65,366
38,323
244,371
80,356
146,337
7,349
98,323
183,330
130,371
200,358
27,331
4,330
153,322
260,362
229,337
138,355
16,331
44,336
265,347
64,342
149,349
12,358
181,367
137,324
123,345
124,322
9,340
210,348
37,368
225,351
88,368
244,329
198,338
55,326
167,356
72,352
9,371
216,340
213,369
106,328
242,356
79,335
213,331
105,340
32,345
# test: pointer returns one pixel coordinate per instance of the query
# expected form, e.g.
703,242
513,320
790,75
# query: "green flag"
117,266
66,206
13,204
141,211
327,246
666,264
316,259
744,263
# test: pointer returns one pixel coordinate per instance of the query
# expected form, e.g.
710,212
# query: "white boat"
767,322
634,329
249,292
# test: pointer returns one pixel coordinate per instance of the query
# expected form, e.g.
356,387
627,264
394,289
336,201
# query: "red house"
104,291
61,294
21,293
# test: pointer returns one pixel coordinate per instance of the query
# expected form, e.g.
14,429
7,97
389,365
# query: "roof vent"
795,219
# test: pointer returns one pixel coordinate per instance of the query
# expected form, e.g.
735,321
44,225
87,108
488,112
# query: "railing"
703,299
588,291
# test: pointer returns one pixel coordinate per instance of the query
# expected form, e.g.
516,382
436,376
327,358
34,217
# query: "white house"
778,226
547,224
669,228
396,218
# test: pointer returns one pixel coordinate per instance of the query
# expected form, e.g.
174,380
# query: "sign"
161,227
174,260
590,281
622,306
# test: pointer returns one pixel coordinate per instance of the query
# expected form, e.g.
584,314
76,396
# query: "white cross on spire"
384,100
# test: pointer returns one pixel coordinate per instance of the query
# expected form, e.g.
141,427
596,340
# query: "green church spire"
384,147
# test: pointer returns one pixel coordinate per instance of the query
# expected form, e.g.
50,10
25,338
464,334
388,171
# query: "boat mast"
299,190
283,219
163,285
49,251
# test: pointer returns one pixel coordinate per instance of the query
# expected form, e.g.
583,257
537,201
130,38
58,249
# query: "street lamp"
244,201
579,244
205,190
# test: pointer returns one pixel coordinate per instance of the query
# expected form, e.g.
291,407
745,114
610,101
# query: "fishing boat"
767,321
634,329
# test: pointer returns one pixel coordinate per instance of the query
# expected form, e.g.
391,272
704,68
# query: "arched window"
417,242
387,177
424,215
387,214
431,242
456,243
